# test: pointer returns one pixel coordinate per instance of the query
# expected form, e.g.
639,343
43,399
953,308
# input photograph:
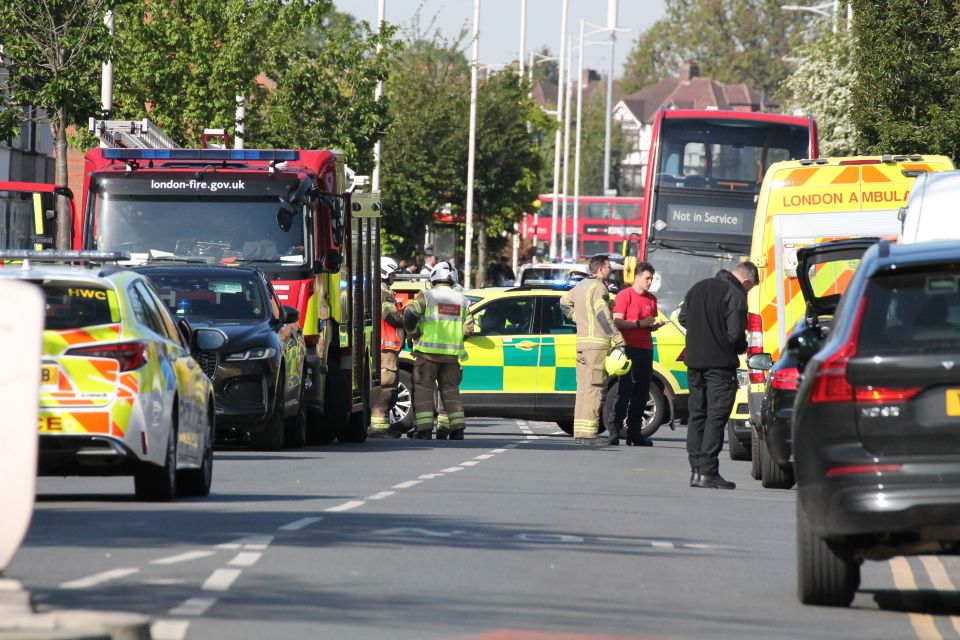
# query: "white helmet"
443,272
388,266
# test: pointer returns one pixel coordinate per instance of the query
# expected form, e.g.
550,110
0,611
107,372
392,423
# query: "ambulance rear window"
73,306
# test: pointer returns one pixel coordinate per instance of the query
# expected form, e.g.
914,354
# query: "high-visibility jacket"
391,322
441,315
588,305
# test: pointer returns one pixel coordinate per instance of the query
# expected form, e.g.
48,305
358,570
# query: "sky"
500,24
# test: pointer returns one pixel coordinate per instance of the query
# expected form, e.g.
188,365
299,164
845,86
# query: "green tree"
906,97
732,40
822,85
52,51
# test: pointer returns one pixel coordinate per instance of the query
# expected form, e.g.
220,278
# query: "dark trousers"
633,392
712,393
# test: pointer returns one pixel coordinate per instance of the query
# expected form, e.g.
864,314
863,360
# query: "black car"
258,374
876,424
771,440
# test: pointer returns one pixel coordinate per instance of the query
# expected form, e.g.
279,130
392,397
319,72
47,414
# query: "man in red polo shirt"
635,315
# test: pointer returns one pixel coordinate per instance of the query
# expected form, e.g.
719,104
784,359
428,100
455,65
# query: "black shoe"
714,482
442,434
639,441
592,442
694,477
424,434
383,433
456,434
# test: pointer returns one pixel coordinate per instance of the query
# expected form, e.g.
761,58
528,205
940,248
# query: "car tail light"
755,344
130,355
874,394
863,468
785,379
830,381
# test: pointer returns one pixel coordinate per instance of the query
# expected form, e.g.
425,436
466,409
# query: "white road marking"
498,450
98,578
169,629
452,469
221,579
254,543
407,484
430,476
346,506
193,607
469,463
659,544
164,582
558,433
245,559
483,456
296,525
381,495
183,557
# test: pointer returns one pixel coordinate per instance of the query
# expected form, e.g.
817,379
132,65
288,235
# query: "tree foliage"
822,85
732,40
52,52
906,97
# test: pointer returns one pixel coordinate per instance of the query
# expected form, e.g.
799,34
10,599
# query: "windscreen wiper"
701,253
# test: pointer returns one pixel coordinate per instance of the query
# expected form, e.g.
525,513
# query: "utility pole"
612,26
471,153
523,36
557,138
568,90
576,153
375,180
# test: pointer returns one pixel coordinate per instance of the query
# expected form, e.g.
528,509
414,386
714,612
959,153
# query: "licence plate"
953,402
49,375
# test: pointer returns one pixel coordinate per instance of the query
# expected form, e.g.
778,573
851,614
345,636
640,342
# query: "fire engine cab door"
32,210
792,232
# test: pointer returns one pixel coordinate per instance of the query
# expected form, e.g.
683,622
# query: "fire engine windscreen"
227,229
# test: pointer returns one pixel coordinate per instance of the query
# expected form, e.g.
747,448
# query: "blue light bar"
275,155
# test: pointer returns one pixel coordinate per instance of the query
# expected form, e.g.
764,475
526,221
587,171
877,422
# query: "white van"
933,208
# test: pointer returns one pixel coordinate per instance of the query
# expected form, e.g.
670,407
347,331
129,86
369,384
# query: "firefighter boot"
456,434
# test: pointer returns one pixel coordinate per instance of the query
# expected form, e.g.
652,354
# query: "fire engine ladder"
130,134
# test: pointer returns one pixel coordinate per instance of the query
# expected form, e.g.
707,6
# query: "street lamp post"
612,26
828,9
471,153
375,182
568,91
536,58
557,140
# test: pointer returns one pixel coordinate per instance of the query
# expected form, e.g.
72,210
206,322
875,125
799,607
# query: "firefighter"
439,315
588,305
391,341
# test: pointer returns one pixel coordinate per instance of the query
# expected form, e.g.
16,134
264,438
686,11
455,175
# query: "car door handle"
526,345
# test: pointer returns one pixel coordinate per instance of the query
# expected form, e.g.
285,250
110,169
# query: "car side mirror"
290,314
805,344
209,339
761,361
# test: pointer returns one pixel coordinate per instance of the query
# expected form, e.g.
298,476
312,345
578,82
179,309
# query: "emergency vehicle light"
64,255
871,161
275,155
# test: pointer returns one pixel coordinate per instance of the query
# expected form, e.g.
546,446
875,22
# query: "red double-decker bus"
702,181
601,225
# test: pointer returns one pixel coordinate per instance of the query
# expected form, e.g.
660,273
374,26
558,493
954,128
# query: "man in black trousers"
714,314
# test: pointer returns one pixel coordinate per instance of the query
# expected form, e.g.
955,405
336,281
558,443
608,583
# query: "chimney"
689,70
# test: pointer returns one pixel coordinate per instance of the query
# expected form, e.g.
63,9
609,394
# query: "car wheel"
295,430
772,475
566,426
196,482
754,454
655,412
271,438
324,428
401,414
159,483
736,449
827,572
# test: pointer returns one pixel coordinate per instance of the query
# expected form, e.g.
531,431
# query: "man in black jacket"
714,314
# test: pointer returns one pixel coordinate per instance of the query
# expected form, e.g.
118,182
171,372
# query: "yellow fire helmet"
617,363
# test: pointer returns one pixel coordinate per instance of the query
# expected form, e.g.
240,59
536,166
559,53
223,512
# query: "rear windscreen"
916,311
75,306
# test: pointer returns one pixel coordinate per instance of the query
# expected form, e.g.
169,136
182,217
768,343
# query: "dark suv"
876,424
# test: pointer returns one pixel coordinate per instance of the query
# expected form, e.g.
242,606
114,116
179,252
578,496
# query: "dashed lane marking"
346,506
296,525
407,484
245,559
193,607
483,456
381,495
250,543
430,476
469,463
452,469
183,557
169,629
98,578
220,579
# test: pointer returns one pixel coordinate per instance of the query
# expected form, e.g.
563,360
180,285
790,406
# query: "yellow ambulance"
804,202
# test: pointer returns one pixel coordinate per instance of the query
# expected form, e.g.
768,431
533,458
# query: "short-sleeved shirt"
636,306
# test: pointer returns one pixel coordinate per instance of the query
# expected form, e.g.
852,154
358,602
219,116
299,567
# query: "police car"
120,392
521,363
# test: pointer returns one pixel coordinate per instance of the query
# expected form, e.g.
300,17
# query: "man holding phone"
635,315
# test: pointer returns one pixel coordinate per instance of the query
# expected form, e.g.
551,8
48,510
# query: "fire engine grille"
208,363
